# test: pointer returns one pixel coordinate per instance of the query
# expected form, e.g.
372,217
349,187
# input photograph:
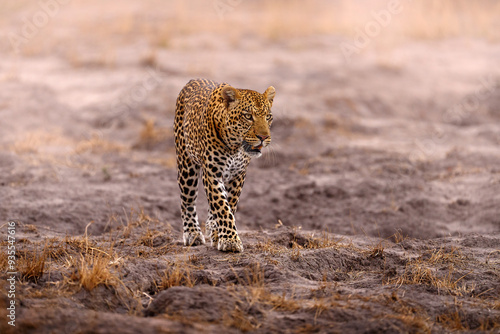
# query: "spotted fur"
218,129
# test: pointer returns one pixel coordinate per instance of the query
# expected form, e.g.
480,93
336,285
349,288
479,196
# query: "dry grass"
452,320
270,248
253,292
91,265
148,238
398,237
4,258
161,25
411,315
194,259
88,263
376,251
179,274
32,264
295,252
489,325
420,271
93,270
453,256
325,240
97,145
319,305
136,218
433,19
84,245
281,302
30,228
151,135
35,261
240,320
35,142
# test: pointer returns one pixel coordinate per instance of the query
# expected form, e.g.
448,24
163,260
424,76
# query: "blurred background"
107,30
252,43
375,99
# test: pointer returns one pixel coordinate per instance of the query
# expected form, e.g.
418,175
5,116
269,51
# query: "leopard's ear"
231,96
270,93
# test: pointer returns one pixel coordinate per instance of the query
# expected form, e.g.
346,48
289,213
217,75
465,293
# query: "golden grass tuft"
412,316
253,292
323,241
376,251
420,272
489,325
93,270
32,264
453,256
295,252
194,259
282,302
414,321
136,218
270,248
4,260
30,228
240,320
398,237
32,142
97,145
179,274
93,265
151,135
148,238
452,320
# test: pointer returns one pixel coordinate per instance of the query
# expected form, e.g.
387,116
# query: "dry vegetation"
250,291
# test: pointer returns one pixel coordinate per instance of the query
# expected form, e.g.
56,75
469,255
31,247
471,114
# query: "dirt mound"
287,280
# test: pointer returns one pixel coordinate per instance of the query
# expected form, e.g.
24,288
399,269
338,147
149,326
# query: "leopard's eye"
248,117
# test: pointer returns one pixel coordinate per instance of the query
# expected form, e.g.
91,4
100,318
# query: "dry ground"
376,209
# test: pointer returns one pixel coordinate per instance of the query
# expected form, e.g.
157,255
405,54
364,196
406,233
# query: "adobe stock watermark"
364,36
33,24
11,272
458,112
134,96
224,7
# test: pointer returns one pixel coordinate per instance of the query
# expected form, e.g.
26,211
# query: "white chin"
254,154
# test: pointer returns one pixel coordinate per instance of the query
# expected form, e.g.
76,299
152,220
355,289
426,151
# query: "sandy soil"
376,209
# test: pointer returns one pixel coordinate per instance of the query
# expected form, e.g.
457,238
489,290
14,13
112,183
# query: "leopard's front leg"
222,218
233,190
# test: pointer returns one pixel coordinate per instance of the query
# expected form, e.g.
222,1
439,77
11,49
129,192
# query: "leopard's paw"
230,245
194,238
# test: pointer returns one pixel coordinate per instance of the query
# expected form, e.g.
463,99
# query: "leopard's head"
249,118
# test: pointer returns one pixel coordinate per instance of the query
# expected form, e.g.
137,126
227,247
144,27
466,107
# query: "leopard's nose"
262,138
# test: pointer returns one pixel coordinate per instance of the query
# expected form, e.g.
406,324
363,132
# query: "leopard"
218,130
